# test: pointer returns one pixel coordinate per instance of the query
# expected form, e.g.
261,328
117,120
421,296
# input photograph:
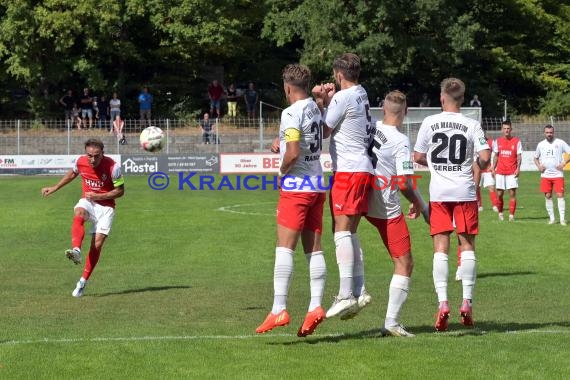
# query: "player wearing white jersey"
550,161
348,122
391,157
300,207
446,144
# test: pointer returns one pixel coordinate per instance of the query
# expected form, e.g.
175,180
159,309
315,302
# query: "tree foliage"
513,49
518,50
49,45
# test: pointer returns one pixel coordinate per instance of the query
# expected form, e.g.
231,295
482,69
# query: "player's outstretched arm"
67,178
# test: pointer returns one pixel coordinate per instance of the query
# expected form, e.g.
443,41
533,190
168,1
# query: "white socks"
318,275
282,274
550,208
399,287
440,274
561,209
468,273
358,270
345,261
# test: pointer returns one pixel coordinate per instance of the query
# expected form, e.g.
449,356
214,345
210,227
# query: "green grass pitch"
186,276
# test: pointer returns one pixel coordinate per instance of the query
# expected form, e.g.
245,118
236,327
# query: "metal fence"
182,136
239,135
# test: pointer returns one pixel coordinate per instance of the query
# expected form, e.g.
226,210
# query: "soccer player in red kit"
102,184
506,167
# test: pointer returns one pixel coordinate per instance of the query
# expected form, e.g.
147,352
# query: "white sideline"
231,208
224,337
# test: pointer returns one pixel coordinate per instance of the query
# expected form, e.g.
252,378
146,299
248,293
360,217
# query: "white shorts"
487,179
101,217
506,182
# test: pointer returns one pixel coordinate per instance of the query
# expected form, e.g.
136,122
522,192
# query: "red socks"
91,262
512,206
500,205
77,232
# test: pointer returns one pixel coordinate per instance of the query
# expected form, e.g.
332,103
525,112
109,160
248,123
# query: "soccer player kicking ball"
392,160
102,184
446,143
348,123
550,161
301,200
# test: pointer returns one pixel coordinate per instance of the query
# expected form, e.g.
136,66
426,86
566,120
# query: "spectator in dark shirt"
251,99
67,101
86,108
215,92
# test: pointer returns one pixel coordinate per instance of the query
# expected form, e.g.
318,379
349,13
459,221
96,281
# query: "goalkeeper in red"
102,184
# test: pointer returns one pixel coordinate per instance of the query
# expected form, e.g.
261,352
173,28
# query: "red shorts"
301,211
547,184
444,214
349,193
394,233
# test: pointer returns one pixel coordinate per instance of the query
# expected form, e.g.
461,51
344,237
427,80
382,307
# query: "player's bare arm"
539,166
418,205
519,162
67,178
290,158
484,158
275,145
420,158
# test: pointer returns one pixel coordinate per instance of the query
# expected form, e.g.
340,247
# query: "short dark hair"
507,122
95,143
349,65
548,126
297,75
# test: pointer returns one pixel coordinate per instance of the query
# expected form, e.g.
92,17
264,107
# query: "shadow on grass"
142,290
504,274
543,217
456,330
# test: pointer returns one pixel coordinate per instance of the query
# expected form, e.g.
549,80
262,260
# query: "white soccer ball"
152,139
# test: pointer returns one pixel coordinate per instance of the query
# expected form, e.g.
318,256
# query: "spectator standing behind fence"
67,101
251,99
145,105
87,108
114,107
103,112
425,102
475,102
76,115
215,92
118,125
232,100
206,125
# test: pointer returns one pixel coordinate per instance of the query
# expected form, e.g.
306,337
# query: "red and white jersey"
507,151
102,179
450,141
349,115
302,122
550,155
391,157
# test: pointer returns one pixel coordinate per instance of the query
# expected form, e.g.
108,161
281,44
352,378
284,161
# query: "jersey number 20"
452,142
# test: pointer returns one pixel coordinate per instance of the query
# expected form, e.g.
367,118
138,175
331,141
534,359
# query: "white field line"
227,337
232,208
